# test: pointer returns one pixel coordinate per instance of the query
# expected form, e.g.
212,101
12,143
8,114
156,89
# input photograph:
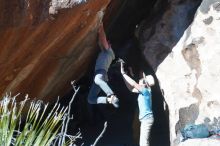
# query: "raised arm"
129,82
102,38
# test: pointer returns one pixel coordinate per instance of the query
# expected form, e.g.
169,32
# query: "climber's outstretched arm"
130,83
102,38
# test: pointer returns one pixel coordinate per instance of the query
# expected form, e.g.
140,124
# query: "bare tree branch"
101,134
68,116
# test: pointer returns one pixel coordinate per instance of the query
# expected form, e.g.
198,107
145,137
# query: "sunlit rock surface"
160,33
185,59
200,142
42,51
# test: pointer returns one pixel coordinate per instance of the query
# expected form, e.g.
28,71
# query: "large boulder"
185,58
200,142
46,44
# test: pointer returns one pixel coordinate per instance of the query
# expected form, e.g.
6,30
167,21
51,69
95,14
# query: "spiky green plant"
40,128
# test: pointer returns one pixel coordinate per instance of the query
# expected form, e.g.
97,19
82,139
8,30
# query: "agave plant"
40,128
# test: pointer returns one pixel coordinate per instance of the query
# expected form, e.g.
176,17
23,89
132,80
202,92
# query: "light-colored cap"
149,79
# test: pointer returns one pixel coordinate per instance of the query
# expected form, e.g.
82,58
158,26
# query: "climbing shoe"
113,100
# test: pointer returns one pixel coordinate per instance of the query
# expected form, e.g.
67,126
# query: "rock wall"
43,50
185,58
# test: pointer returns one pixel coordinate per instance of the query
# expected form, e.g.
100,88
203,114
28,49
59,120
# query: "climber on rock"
144,102
105,58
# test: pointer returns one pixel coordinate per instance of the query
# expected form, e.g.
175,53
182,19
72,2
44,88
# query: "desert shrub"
38,127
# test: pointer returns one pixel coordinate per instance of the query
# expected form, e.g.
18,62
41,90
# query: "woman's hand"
122,65
122,68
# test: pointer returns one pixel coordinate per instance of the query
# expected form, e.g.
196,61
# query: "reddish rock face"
41,53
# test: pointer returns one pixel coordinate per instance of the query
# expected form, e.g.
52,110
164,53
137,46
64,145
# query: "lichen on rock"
55,5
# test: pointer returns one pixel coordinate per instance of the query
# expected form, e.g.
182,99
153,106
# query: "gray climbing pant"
100,82
145,129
